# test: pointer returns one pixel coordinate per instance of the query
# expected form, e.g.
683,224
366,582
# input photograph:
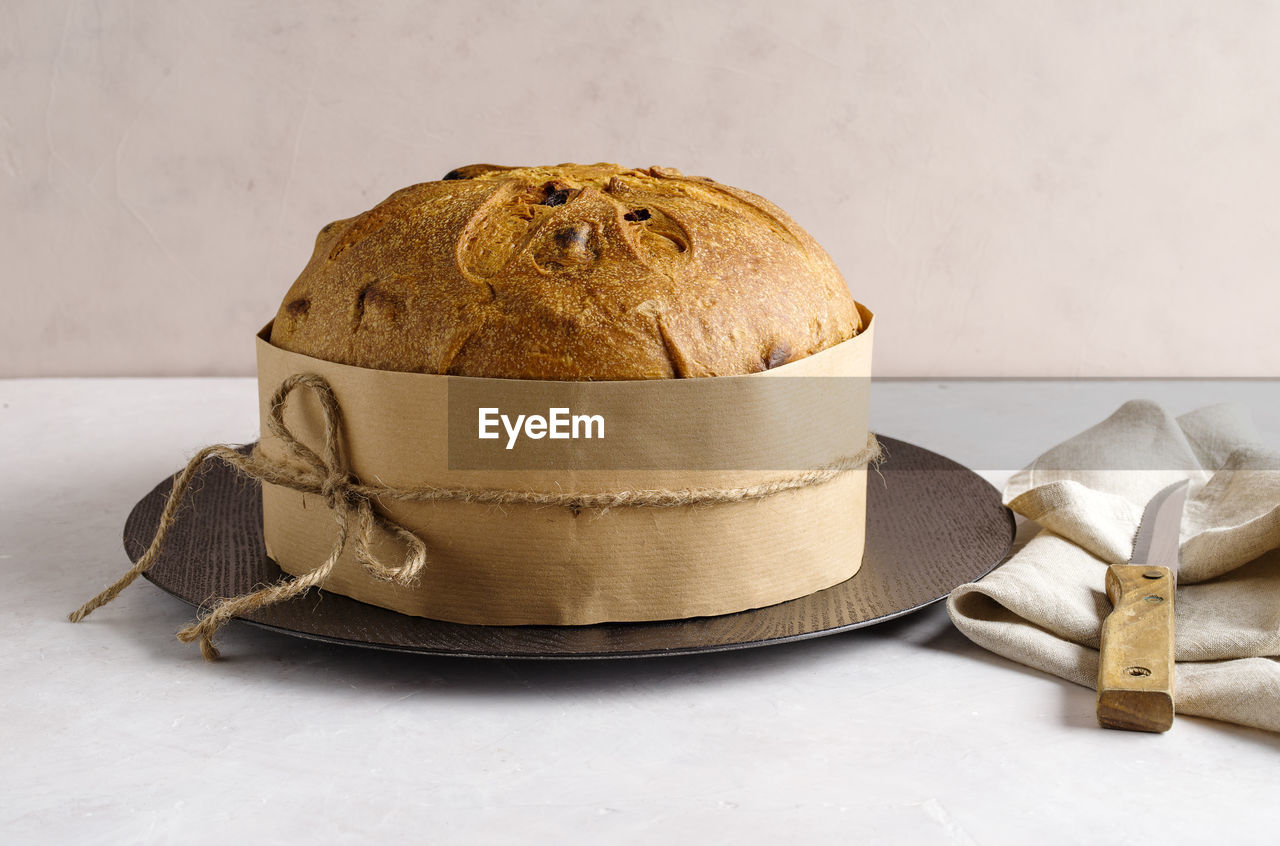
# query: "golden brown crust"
573,272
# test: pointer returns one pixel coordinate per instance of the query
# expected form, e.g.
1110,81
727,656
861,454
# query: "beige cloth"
1045,606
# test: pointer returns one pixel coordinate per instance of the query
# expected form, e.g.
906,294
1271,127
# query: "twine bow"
329,477
351,504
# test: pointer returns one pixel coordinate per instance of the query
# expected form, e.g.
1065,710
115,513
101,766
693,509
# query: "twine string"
351,502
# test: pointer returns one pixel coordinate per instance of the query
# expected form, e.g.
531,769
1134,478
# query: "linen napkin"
1045,606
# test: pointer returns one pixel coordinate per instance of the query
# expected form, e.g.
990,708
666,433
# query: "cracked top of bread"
571,272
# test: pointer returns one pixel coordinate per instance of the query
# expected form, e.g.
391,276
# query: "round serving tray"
932,525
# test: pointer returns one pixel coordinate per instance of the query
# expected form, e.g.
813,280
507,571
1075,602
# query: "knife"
1135,668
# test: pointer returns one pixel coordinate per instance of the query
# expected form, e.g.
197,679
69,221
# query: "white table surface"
905,732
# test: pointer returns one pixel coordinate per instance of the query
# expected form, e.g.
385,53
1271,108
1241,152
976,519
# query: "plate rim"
160,490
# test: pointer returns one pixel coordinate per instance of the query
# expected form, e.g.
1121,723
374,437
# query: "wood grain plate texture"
932,525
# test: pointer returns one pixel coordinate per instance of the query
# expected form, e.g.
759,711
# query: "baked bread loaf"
572,272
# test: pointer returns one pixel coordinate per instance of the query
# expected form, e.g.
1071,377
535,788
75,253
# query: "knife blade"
1135,667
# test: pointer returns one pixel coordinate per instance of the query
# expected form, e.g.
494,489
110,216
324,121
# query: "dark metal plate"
932,525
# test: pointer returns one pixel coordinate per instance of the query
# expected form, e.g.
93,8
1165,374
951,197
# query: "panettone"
572,272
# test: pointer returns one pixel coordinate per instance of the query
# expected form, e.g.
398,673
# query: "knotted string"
351,504
328,476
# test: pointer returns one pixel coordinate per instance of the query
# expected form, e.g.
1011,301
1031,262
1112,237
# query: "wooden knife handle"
1135,670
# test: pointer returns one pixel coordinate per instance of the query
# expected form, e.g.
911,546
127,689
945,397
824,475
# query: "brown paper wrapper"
526,564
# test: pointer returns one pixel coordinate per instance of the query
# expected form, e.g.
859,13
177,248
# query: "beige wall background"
1017,188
